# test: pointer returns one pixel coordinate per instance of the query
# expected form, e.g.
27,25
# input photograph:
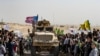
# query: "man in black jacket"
88,45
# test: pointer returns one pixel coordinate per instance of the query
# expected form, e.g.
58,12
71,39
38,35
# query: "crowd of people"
11,44
72,44
81,44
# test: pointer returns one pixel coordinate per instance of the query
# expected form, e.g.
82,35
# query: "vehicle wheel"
55,52
33,51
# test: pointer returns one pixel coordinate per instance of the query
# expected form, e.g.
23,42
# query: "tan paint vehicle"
46,40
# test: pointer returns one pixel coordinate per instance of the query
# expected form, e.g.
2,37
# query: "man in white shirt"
2,49
94,51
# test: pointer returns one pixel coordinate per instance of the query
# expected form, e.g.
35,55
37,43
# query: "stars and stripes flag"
31,19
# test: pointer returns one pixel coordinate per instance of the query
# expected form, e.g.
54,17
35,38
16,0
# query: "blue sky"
57,11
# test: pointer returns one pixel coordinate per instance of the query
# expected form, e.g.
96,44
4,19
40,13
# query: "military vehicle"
45,39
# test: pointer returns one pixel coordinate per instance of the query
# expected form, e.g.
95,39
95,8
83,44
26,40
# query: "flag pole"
34,25
54,18
41,18
33,33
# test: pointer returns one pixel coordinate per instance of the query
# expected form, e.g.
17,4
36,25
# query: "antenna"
41,18
53,18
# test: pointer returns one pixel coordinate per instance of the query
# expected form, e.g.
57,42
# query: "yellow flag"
82,26
87,25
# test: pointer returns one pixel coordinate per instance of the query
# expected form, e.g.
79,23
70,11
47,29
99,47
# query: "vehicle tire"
33,51
55,52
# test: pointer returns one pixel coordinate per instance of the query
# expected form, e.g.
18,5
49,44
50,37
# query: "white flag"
6,27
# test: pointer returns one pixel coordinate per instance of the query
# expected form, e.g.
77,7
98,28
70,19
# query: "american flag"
31,19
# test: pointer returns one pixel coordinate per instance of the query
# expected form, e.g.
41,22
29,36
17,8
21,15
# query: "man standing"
10,48
88,48
94,51
76,49
21,47
2,49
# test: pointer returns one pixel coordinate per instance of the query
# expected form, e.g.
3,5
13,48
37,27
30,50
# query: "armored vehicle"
45,40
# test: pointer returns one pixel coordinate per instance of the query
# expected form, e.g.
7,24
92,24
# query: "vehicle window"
49,29
39,28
